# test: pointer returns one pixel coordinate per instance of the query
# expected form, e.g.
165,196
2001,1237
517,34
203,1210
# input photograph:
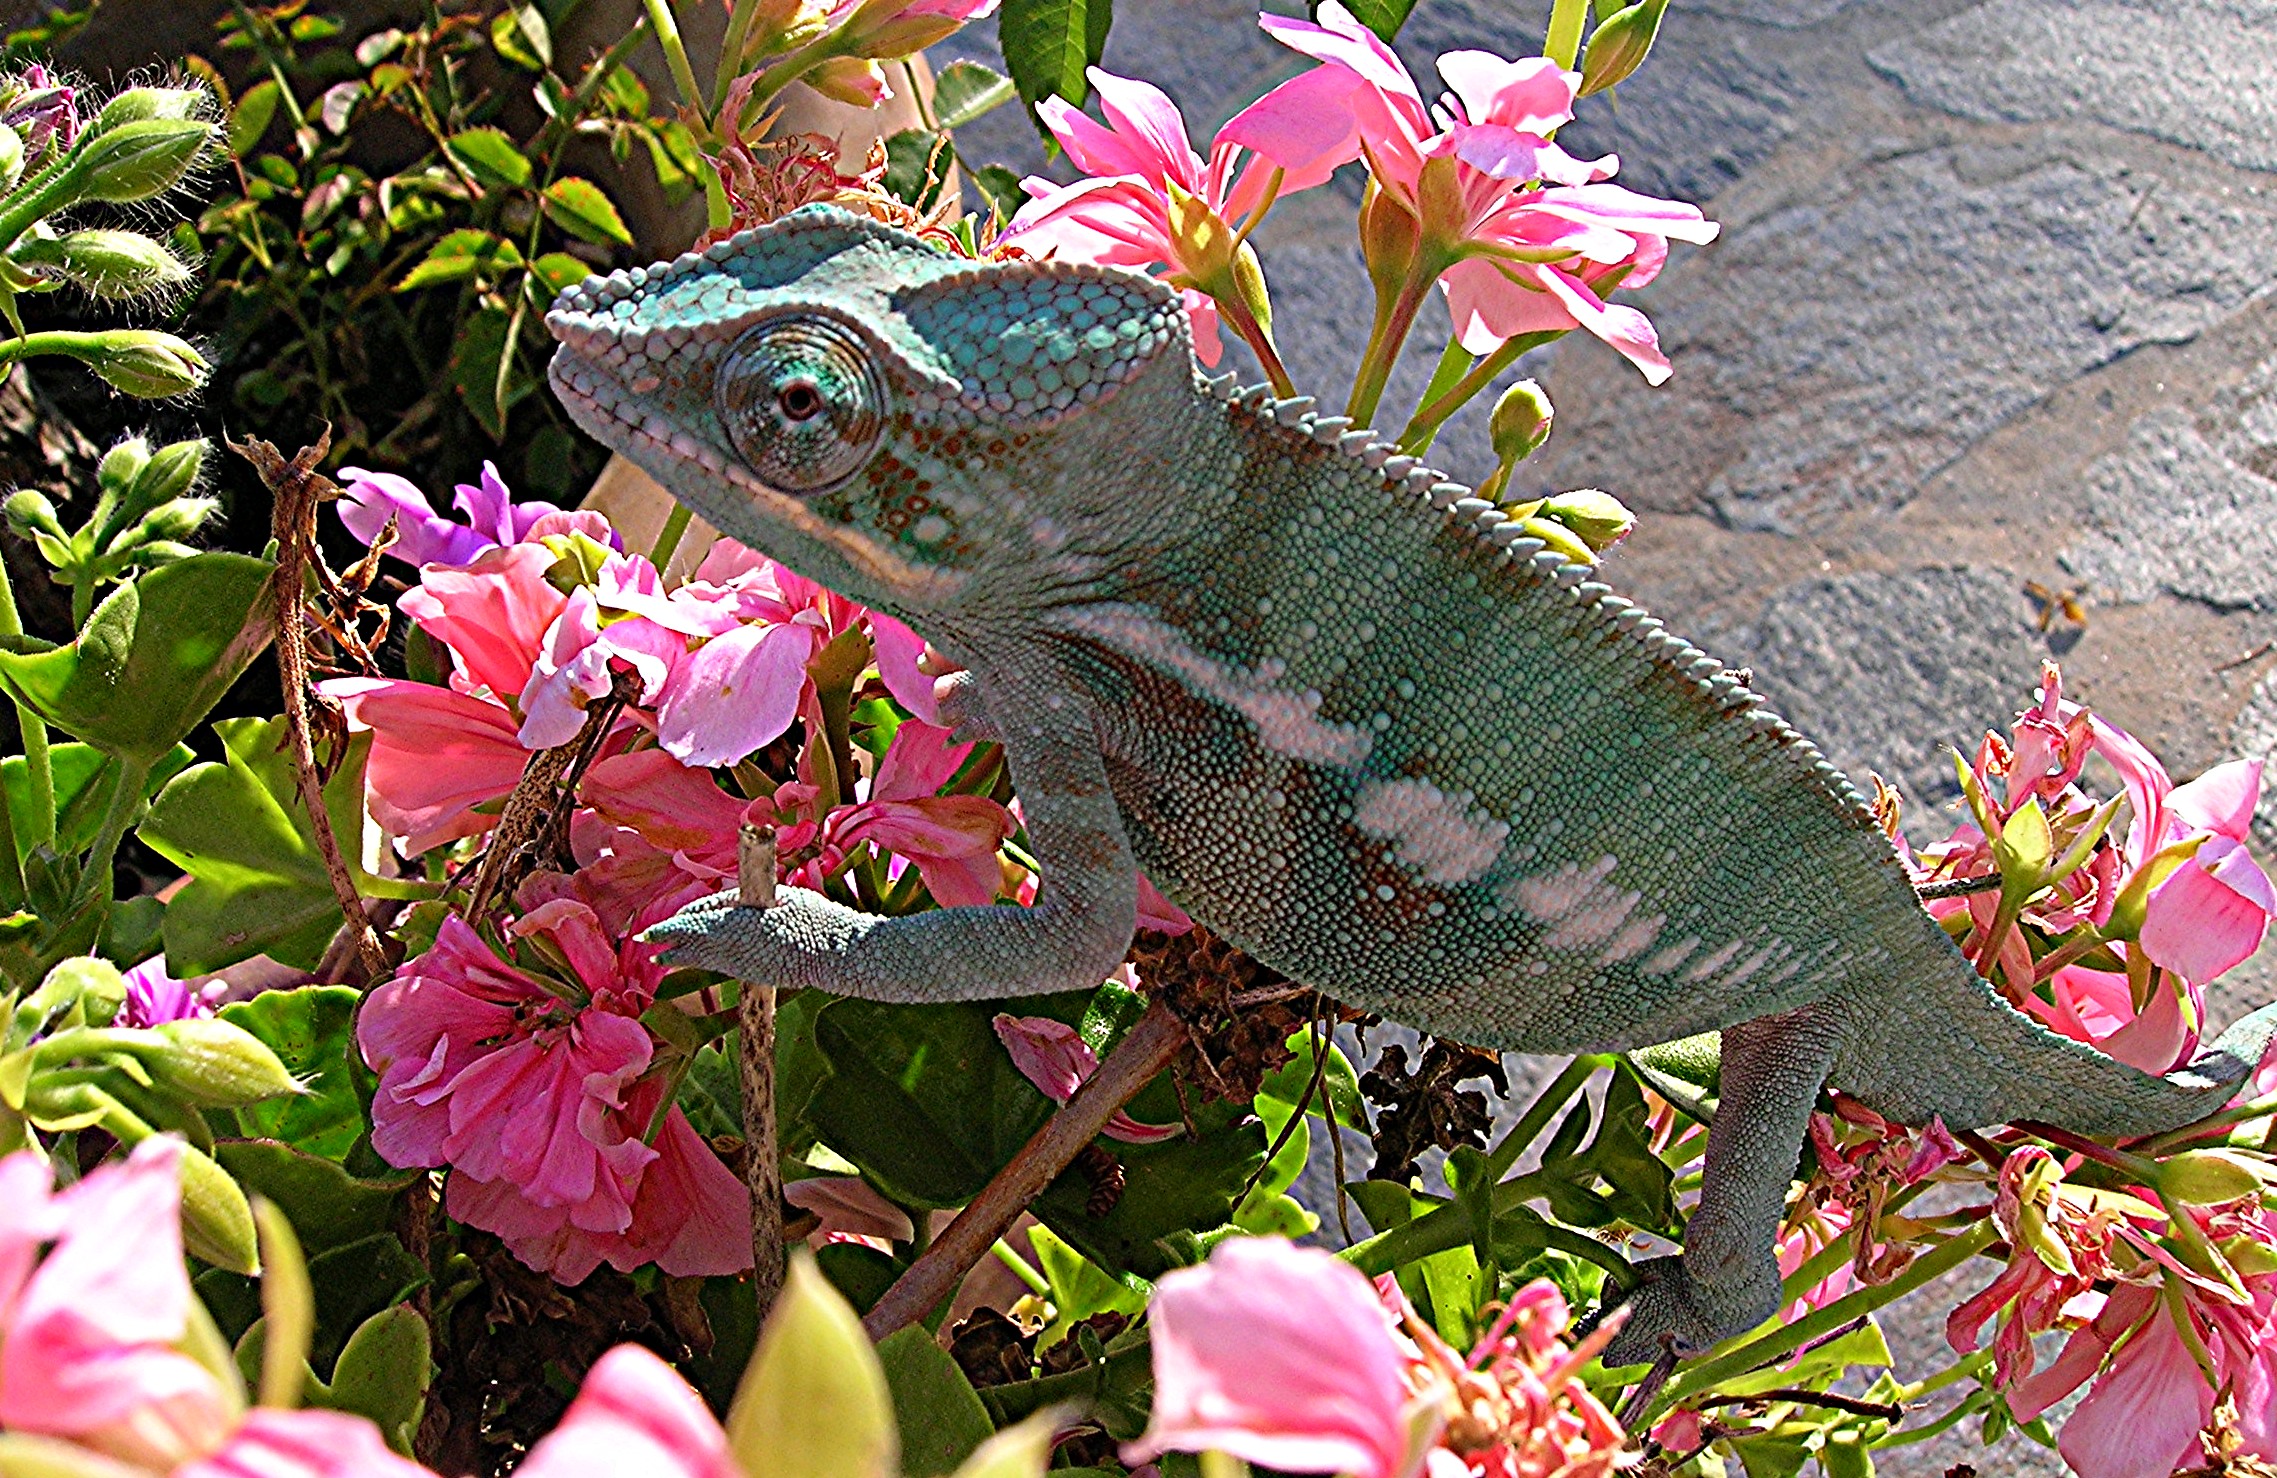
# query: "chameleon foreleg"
962,710
1076,934
1727,1281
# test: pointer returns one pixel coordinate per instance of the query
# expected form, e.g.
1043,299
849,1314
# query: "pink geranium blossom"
1053,1056
91,1339
634,1416
439,759
1528,238
491,615
423,536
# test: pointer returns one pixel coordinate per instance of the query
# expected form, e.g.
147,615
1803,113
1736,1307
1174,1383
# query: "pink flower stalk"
1053,1056
1150,201
530,1088
423,536
90,1338
1283,1356
1528,238
634,1415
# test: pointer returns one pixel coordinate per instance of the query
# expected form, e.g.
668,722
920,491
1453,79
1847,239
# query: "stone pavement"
1995,306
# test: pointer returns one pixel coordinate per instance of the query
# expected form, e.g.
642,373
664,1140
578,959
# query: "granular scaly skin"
1341,711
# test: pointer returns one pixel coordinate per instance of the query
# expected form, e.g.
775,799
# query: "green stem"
1563,44
668,538
667,30
126,799
1037,1282
731,51
1543,1109
1778,1343
1395,317
38,770
1253,333
1433,413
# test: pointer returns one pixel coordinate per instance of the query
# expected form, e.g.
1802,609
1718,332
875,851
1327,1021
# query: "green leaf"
249,120
83,778
382,1374
491,156
1080,1287
153,658
522,37
313,1030
1339,1086
917,167
329,1207
940,1417
578,207
558,269
257,882
964,91
1002,187
474,370
1048,44
460,255
1384,17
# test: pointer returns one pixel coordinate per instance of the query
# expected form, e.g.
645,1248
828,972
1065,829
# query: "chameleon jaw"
606,408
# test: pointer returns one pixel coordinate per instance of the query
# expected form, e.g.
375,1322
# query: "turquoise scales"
1333,705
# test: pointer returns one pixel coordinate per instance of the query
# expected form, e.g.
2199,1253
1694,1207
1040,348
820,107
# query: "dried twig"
1144,1051
296,488
1886,1410
755,1041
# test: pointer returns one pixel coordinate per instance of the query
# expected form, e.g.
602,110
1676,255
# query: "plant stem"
755,1055
1394,318
667,29
1433,414
37,769
1543,1109
126,799
1563,44
668,538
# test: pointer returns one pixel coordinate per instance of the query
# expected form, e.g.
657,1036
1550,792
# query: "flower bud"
1389,238
216,1064
139,103
813,1403
177,518
1249,282
168,474
855,81
147,364
108,264
122,464
1618,46
11,157
137,160
1560,538
2210,1177
1521,422
1598,518
31,515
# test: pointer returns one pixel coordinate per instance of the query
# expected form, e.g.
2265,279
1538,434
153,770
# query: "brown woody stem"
1144,1051
755,1044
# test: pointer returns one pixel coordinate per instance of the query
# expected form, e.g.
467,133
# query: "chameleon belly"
1454,745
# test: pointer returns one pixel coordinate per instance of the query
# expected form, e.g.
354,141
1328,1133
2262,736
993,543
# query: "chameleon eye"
801,402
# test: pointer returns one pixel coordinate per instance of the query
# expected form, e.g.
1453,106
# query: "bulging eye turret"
801,402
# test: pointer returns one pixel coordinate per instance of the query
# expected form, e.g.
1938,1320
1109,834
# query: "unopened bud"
1249,282
11,157
1389,237
1598,518
31,514
138,103
1618,46
217,1221
177,518
2210,1177
215,1064
147,364
137,160
1521,422
1557,536
109,264
853,80
122,464
169,473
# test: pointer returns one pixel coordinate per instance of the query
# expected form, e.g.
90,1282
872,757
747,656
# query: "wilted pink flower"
1527,237
2059,1245
634,1416
1053,1056
849,1211
1283,1356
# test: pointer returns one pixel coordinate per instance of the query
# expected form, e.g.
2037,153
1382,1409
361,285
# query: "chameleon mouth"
607,407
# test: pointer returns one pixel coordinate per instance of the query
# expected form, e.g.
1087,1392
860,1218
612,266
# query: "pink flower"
1282,1356
90,1339
2059,1245
531,1089
952,839
1053,1056
848,1210
153,996
492,614
2208,902
423,536
1527,237
1150,200
1816,1231
438,757
621,621
633,1416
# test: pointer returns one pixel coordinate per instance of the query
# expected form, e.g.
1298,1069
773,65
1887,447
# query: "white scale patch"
1549,897
1443,837
1288,723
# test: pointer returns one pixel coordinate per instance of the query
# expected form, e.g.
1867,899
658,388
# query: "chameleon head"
877,414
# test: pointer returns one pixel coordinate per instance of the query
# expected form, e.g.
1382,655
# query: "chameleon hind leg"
1727,1280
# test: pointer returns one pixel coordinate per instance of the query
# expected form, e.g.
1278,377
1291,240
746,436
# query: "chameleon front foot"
787,943
1666,1317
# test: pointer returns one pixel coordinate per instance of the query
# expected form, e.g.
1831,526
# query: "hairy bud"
147,364
1521,422
137,160
168,473
214,1063
108,264
32,515
138,103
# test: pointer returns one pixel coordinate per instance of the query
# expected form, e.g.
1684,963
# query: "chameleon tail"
1975,1060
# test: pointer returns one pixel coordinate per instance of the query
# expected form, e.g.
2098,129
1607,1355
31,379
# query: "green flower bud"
2210,1177
813,1402
1560,538
122,464
139,103
1521,422
177,518
170,472
1618,46
137,160
32,515
11,157
109,264
217,1222
1600,519
215,1064
147,364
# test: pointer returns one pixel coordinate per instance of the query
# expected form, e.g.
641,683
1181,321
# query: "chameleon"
1337,708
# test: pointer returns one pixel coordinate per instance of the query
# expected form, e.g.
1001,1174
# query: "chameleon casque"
1333,706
